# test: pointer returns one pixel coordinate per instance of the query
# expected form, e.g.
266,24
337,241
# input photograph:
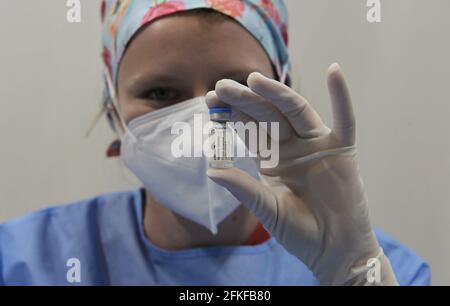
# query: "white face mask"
180,184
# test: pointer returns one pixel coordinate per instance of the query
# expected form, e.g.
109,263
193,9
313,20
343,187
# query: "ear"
114,149
114,122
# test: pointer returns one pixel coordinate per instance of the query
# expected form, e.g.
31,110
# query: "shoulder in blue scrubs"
105,236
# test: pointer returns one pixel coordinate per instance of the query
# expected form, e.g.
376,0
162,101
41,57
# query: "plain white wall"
398,73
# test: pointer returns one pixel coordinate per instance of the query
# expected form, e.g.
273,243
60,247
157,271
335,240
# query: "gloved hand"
313,202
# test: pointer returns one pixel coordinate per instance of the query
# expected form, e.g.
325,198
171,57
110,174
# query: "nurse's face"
180,57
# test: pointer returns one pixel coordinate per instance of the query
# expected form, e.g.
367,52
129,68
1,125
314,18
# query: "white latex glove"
313,202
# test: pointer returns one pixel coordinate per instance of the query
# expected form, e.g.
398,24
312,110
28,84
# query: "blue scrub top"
105,234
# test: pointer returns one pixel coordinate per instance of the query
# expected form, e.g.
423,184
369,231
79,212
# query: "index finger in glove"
243,99
305,120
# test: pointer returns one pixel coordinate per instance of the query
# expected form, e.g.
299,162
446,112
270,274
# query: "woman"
303,221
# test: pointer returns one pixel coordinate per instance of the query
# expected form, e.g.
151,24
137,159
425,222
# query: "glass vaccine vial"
221,137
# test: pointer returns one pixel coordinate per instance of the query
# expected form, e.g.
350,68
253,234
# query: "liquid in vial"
221,136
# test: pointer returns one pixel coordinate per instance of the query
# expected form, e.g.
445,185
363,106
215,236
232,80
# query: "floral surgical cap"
266,20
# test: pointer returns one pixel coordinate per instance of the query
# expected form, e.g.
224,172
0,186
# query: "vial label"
222,146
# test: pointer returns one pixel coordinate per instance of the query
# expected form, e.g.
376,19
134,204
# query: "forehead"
180,42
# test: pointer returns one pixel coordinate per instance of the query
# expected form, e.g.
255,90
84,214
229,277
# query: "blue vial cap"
220,110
